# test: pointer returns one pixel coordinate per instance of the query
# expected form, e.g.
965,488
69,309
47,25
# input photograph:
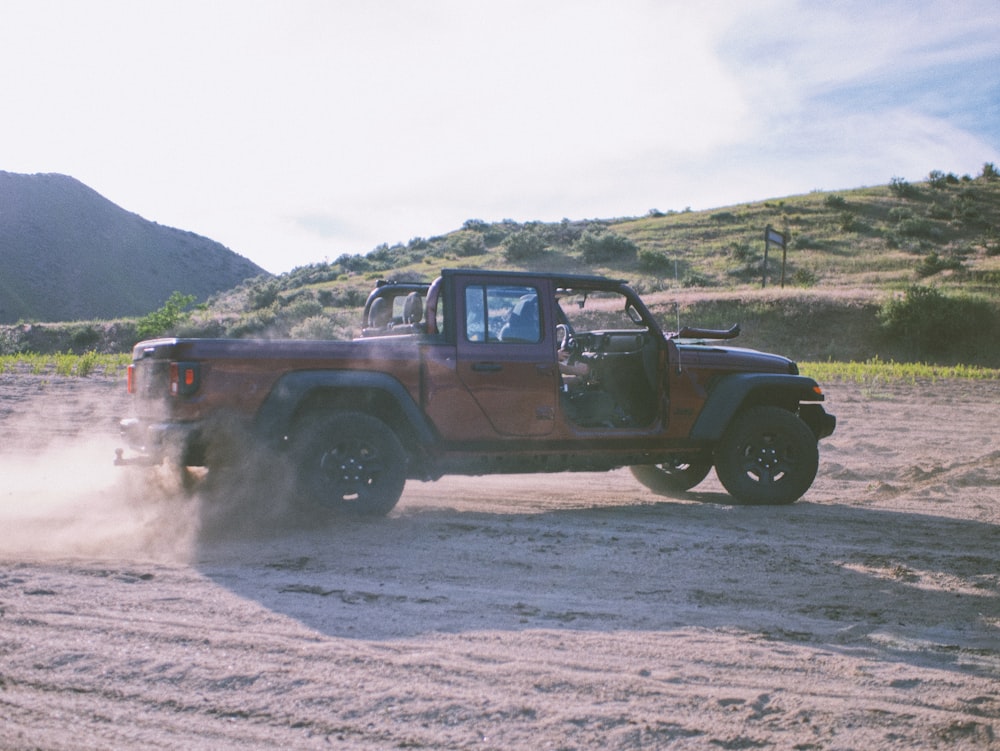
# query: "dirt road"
536,612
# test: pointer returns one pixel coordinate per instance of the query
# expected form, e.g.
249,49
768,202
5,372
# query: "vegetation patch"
876,370
932,324
66,364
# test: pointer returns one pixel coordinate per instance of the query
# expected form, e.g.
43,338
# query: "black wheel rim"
768,459
350,469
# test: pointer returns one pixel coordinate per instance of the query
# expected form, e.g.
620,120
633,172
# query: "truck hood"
735,359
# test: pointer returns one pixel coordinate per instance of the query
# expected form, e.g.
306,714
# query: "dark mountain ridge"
70,254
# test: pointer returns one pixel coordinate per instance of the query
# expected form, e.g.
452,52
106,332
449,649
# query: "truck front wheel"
349,462
767,456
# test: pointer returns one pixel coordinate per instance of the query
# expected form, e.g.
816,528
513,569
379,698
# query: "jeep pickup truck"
483,372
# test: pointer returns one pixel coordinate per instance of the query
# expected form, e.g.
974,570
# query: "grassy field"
877,371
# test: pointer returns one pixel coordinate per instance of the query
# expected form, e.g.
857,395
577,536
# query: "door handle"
487,367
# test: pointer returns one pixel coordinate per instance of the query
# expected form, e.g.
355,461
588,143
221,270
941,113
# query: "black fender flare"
275,416
732,392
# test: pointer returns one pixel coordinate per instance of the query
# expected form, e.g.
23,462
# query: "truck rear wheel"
673,478
767,456
349,462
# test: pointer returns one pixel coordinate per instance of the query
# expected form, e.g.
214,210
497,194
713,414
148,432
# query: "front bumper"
821,422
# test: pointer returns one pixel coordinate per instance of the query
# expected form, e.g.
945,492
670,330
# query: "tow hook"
133,461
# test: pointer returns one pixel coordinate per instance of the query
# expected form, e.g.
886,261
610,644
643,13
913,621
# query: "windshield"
589,310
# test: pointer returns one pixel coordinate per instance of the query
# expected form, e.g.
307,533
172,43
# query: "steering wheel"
562,335
566,341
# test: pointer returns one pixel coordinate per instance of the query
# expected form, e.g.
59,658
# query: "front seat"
522,326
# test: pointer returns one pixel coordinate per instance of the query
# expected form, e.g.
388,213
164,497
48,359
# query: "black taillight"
185,378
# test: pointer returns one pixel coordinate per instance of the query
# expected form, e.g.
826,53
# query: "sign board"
774,237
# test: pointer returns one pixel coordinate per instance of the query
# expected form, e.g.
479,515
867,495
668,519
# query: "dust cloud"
60,493
69,500
62,496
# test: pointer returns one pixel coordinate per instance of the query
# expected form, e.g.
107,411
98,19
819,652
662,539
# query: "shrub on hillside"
322,327
933,264
939,211
492,234
598,245
255,323
313,273
654,262
202,327
263,295
804,278
467,244
966,208
937,179
992,247
84,337
386,257
909,224
696,279
930,323
805,242
903,189
351,263
566,232
919,227
851,223
10,342
342,297
743,252
302,307
523,245
165,319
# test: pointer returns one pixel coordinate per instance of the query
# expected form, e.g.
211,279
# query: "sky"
294,131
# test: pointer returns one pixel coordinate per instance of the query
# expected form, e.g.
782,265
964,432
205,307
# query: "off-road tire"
348,462
674,478
767,456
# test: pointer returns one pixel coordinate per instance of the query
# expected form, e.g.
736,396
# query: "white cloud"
297,131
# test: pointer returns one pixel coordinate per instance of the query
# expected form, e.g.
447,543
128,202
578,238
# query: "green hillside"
904,271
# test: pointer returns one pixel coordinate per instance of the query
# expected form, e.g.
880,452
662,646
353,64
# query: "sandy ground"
536,612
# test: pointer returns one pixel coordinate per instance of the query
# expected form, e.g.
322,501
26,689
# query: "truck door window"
502,313
599,311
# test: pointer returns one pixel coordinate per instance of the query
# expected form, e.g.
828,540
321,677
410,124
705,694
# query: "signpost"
773,237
